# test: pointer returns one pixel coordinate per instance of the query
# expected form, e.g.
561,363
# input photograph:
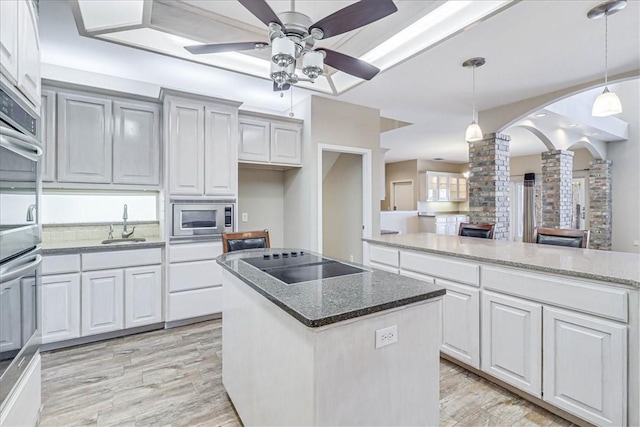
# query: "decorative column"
600,204
557,179
489,183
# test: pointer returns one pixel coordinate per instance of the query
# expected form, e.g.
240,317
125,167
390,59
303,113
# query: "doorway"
578,207
402,196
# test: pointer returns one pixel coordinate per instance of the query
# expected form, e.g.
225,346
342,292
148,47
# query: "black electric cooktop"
299,266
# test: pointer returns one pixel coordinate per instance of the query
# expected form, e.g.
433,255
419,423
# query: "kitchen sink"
130,240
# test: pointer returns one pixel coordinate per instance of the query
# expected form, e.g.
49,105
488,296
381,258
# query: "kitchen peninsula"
327,343
559,326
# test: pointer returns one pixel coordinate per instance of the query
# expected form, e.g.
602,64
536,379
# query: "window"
73,208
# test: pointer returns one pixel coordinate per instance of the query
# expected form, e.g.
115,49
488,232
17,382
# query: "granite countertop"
605,266
434,214
81,246
323,302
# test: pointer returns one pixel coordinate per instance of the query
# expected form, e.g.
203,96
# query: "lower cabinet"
10,332
142,296
460,327
102,301
585,371
512,341
60,307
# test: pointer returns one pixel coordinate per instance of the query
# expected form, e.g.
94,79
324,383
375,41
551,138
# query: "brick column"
600,204
489,183
557,178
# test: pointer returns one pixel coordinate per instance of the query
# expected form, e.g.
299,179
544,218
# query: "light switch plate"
245,217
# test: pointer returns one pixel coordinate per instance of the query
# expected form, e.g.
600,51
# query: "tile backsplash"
71,232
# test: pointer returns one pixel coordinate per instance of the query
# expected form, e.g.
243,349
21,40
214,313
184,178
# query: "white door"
60,307
254,140
512,341
186,148
220,152
143,296
102,301
585,366
460,327
402,192
286,143
578,208
9,39
28,53
10,329
48,135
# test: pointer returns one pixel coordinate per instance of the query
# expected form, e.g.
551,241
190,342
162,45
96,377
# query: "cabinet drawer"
442,267
120,259
194,251
385,256
418,276
194,275
200,302
559,291
57,264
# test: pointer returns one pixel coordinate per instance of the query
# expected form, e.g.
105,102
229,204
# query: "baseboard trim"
185,322
100,337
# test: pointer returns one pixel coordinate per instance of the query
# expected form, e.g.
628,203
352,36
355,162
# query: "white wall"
261,197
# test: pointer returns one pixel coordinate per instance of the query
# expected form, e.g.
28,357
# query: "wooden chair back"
484,231
245,240
563,237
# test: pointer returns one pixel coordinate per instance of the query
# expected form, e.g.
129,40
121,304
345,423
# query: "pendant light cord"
606,48
473,99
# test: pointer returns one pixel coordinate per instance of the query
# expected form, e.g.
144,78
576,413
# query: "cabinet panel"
186,148
136,144
199,302
121,259
382,255
102,302
460,326
512,341
253,144
585,366
60,307
48,135
221,153
143,296
84,139
194,275
28,53
9,40
10,329
285,143
194,251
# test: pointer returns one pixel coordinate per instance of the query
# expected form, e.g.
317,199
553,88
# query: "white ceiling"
532,48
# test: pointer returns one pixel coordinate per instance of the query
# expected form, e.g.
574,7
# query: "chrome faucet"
31,213
125,233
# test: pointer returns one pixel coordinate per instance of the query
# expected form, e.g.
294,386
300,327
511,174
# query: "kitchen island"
321,348
557,325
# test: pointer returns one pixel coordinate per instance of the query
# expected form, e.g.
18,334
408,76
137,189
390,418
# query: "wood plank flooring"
174,378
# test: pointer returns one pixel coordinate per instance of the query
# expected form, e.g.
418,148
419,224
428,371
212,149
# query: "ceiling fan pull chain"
291,108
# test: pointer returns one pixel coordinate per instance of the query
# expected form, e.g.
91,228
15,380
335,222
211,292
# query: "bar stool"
484,231
245,240
563,237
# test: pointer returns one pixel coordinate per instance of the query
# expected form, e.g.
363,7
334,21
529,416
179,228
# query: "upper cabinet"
269,140
48,135
442,187
20,48
202,136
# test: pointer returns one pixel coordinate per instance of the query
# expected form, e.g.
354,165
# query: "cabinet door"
9,39
10,329
453,189
186,148
585,366
460,326
136,143
84,139
462,189
286,143
443,188
220,152
143,296
28,53
432,187
512,341
60,307
253,141
441,228
102,301
48,135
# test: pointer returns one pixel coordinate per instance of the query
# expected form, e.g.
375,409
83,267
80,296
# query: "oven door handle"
13,272
20,143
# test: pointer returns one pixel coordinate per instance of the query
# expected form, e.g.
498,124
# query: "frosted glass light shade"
312,64
283,51
473,133
606,104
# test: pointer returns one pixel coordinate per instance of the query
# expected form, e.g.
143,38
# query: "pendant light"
607,103
474,133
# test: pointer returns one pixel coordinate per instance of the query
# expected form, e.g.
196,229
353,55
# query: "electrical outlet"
351,257
245,217
386,336
636,243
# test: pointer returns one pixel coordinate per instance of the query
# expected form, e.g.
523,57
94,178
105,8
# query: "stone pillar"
557,179
600,204
489,183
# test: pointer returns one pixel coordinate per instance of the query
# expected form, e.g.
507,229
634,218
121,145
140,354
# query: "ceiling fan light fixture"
473,133
313,64
606,104
283,51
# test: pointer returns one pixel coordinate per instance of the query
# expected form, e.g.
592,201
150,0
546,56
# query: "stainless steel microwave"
201,219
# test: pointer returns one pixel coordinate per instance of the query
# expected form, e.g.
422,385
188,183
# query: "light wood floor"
174,377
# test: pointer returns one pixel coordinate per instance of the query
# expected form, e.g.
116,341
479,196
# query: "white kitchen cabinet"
136,143
10,329
512,341
220,151
28,52
460,326
60,307
442,187
285,143
254,137
9,39
47,135
84,139
585,366
269,140
102,301
186,148
143,296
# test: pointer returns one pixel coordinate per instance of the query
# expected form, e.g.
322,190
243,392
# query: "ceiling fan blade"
350,65
261,10
354,16
200,49
284,87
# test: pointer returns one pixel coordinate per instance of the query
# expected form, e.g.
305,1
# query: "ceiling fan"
292,36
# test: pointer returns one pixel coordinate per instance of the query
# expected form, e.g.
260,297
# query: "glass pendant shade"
473,133
283,51
606,104
312,64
